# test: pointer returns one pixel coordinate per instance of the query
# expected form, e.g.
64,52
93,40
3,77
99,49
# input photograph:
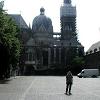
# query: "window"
82,71
95,49
90,51
68,27
26,58
30,56
86,53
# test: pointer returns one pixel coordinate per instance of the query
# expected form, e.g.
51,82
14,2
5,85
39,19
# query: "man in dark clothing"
69,82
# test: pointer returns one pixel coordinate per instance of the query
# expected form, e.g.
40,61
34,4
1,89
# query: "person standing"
69,82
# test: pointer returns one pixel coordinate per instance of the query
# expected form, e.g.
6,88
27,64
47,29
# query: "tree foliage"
78,61
77,64
9,38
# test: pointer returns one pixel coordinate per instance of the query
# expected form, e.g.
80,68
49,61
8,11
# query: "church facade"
44,49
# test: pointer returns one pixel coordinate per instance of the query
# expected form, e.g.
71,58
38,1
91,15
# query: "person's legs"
67,85
70,85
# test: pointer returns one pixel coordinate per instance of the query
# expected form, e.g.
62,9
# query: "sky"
87,20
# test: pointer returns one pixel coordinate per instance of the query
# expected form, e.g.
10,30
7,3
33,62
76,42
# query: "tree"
77,64
9,43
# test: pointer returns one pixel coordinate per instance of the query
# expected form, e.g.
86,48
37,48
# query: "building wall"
92,60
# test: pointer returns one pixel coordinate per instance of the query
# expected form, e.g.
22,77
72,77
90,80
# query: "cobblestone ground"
49,88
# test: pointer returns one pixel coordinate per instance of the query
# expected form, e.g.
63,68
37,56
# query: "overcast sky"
88,16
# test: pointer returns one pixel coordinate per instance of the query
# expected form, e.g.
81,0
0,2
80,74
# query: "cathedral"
44,49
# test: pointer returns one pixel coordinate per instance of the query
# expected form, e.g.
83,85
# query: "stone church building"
44,49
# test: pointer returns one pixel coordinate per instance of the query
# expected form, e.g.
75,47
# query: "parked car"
89,73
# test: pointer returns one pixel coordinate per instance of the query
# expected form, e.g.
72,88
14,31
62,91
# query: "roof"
95,47
42,23
19,20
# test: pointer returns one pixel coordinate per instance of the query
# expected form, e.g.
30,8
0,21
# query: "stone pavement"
49,88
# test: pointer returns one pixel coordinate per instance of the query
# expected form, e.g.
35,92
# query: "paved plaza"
49,88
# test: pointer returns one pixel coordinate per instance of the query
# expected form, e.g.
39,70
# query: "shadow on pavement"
6,81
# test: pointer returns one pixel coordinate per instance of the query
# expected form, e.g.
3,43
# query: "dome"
42,23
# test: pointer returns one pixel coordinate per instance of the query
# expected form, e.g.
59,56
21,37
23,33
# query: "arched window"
95,49
90,51
30,56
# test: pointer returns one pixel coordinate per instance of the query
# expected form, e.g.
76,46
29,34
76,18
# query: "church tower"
68,20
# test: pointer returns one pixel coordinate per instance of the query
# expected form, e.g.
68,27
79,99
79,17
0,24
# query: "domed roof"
42,23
